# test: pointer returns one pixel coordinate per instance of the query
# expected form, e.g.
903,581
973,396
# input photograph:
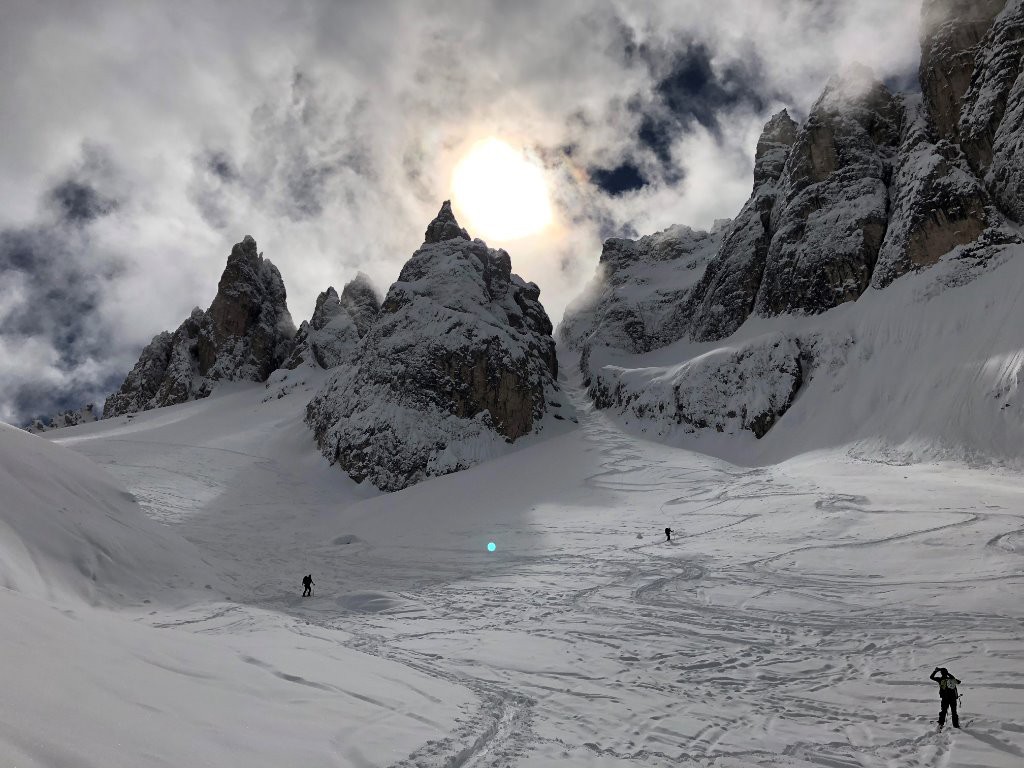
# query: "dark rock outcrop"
832,209
330,336
244,336
951,32
936,202
991,128
460,361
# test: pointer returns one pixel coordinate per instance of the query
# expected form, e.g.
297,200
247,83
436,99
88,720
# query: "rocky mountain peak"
460,362
444,226
778,135
244,336
330,336
328,304
361,301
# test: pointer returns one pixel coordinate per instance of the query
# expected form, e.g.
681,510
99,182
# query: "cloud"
141,143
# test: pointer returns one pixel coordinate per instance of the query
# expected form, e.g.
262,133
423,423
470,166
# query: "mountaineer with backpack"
947,694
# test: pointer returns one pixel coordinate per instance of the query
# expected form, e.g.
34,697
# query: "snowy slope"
70,532
928,368
792,622
121,649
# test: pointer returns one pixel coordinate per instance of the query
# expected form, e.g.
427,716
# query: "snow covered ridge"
460,362
63,419
244,336
872,188
727,389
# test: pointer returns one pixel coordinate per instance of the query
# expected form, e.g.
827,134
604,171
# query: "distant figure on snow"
307,582
668,534
947,694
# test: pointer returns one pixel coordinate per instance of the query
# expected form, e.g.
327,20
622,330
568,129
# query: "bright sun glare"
500,192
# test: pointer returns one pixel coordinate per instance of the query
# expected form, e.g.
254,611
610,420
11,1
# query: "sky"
140,141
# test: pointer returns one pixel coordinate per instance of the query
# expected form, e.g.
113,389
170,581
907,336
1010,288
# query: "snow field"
120,649
793,621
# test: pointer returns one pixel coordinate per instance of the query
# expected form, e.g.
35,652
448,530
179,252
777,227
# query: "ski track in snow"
783,626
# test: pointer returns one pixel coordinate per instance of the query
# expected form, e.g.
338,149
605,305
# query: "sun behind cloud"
500,192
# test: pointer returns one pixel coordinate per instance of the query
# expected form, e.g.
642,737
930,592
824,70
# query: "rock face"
936,201
330,336
244,336
951,31
725,296
459,362
64,419
631,304
830,218
991,125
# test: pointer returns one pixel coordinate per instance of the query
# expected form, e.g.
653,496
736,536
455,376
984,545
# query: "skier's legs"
956,718
942,712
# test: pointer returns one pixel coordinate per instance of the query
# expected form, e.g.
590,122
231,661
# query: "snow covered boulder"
631,303
338,322
459,363
727,390
244,336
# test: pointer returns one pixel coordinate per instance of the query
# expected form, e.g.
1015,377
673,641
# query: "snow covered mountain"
633,302
459,363
873,234
330,336
245,335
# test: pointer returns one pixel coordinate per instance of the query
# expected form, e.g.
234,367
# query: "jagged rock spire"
444,226
244,336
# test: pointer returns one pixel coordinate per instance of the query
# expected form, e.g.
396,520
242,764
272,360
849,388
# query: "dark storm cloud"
78,202
690,88
59,281
625,177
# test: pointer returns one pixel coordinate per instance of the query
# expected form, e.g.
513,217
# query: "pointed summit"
444,226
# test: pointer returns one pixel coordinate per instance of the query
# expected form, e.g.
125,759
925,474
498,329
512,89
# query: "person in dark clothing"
668,534
947,694
307,582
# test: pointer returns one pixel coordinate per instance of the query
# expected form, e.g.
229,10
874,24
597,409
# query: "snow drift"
67,531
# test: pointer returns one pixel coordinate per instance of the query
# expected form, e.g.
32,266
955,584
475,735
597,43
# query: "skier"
668,534
947,694
307,582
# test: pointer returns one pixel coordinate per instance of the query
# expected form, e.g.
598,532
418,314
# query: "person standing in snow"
668,534
947,694
307,582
